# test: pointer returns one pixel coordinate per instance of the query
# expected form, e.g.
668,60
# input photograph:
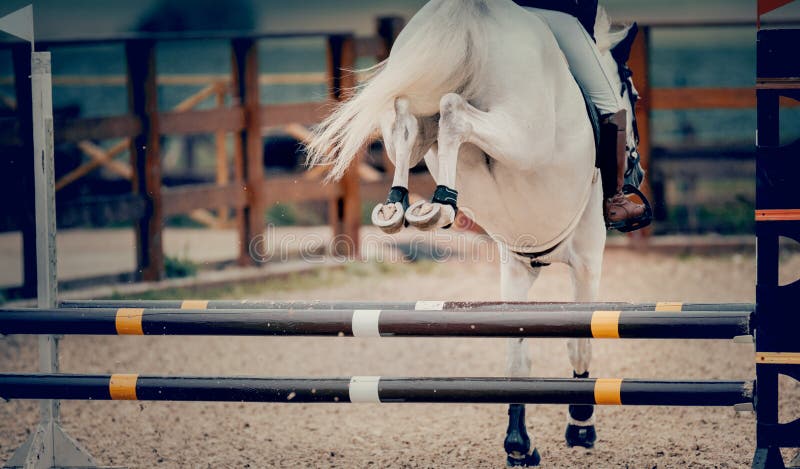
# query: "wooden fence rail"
247,191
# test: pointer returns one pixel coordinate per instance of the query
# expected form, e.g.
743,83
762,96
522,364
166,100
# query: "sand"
142,434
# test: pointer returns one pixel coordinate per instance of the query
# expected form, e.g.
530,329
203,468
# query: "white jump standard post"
49,446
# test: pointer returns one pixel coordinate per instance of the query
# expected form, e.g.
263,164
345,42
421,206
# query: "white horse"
481,90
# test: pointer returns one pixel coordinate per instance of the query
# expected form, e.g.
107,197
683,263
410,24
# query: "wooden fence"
248,191
683,98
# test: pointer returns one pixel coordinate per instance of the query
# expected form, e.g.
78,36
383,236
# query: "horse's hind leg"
400,130
516,278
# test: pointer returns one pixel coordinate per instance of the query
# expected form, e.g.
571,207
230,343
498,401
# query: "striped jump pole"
409,305
373,389
619,324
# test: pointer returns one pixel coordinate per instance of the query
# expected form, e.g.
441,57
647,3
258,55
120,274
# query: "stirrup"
636,223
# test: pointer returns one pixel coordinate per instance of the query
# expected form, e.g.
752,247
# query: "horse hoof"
428,215
423,214
517,443
390,218
523,460
577,435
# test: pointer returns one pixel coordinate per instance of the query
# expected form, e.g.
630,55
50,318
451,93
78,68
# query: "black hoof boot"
517,443
527,460
581,436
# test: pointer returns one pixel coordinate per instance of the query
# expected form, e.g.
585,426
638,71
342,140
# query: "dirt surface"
141,434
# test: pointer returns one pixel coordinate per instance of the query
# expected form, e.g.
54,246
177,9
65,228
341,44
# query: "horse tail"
441,50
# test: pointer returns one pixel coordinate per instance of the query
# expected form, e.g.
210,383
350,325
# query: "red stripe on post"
766,6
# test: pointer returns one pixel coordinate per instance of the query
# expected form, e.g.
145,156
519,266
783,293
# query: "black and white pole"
620,324
380,390
49,446
504,306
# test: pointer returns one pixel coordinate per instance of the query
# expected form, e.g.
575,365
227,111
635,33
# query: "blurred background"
695,68
179,175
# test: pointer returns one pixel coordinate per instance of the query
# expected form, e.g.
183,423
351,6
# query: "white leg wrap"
580,423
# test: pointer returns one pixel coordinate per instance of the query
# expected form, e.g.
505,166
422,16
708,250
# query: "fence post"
344,212
146,157
389,28
640,66
21,55
249,146
49,446
223,176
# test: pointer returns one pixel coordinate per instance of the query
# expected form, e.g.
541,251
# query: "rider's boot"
621,213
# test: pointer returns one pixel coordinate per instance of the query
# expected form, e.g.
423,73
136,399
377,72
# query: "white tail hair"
441,50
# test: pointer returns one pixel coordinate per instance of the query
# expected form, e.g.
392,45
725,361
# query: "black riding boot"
621,213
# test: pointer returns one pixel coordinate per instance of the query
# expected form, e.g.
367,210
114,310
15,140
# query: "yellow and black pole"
474,322
422,305
375,389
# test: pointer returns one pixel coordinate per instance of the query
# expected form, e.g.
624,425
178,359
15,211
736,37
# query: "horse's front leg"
506,134
400,130
586,263
454,131
516,278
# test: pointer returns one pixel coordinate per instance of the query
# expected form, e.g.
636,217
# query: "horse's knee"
402,105
449,103
452,112
405,128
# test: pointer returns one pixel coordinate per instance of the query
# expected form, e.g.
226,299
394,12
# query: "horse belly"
518,208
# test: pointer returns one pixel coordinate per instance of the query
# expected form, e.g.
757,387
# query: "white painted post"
49,446
47,286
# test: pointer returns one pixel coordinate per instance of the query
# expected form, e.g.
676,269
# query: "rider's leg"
620,212
601,84
585,60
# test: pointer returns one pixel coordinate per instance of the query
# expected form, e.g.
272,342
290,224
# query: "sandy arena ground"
172,435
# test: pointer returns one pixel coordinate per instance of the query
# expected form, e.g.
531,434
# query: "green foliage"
179,267
366,212
282,214
722,206
183,221
734,217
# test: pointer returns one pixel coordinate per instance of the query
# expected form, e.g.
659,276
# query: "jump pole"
608,324
504,306
374,389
